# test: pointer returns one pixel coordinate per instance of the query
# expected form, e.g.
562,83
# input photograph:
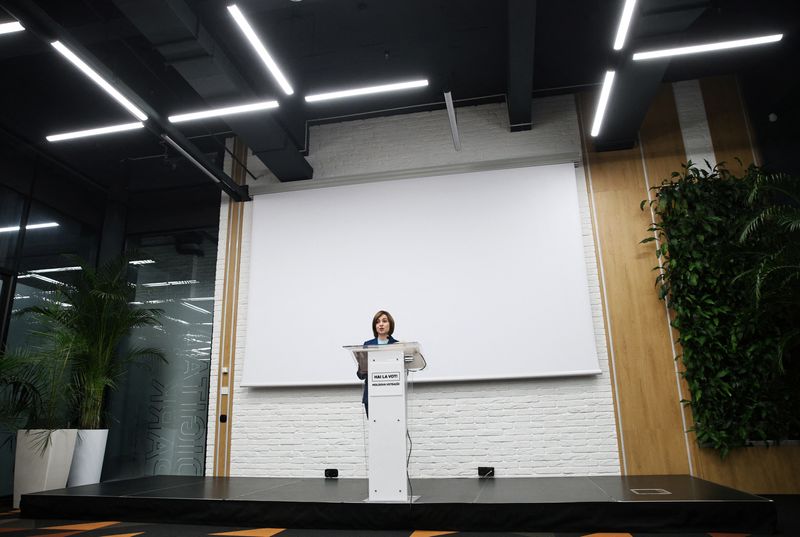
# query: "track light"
624,24
99,80
260,49
189,157
366,91
602,102
709,47
10,27
227,111
451,116
94,132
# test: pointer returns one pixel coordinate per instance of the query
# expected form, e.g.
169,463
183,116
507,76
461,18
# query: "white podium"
386,367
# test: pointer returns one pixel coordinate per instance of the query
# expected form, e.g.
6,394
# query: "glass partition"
159,411
43,267
52,244
11,206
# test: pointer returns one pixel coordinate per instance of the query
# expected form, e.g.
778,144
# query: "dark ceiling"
184,55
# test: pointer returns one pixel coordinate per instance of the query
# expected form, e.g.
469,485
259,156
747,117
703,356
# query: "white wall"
522,428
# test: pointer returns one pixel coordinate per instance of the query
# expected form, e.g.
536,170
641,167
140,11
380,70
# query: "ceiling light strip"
366,91
54,269
10,27
170,283
189,157
624,24
709,47
227,111
196,308
451,115
94,132
260,49
29,226
99,80
602,102
42,278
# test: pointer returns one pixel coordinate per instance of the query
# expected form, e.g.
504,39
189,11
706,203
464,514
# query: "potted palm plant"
88,322
33,403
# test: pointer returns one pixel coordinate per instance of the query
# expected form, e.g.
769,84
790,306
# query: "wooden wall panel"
727,122
649,412
230,312
760,469
663,152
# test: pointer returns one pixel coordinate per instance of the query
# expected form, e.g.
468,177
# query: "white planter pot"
34,470
87,462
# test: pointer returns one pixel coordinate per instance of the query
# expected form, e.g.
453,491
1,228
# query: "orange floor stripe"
62,534
257,532
424,533
86,526
125,534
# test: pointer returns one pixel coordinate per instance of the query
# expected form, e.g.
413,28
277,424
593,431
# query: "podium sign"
386,367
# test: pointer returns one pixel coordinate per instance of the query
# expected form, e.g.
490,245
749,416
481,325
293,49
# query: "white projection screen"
486,270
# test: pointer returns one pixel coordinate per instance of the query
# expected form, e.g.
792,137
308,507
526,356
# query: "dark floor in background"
15,527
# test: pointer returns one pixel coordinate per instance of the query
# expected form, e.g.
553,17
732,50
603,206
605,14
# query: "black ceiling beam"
521,33
88,34
636,83
179,35
39,23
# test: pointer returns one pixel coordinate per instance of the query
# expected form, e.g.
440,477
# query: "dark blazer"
365,396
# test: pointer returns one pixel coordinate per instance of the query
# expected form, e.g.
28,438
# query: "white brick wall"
693,122
521,427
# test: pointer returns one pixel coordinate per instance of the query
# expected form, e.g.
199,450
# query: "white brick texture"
694,124
535,427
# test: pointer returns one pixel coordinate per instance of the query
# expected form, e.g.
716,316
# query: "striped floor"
12,526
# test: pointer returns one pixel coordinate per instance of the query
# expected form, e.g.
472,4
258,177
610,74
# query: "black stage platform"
553,504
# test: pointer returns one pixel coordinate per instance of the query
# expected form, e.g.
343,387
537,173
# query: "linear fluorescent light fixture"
602,102
196,308
40,277
227,111
366,91
29,226
451,115
94,132
141,262
624,24
709,47
170,283
260,49
189,157
99,80
177,320
54,269
10,27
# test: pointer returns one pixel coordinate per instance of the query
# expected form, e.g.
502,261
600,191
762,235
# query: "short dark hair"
378,316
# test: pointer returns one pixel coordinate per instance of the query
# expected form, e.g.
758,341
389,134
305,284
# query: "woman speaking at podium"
382,329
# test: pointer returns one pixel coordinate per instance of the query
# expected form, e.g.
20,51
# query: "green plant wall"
738,349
